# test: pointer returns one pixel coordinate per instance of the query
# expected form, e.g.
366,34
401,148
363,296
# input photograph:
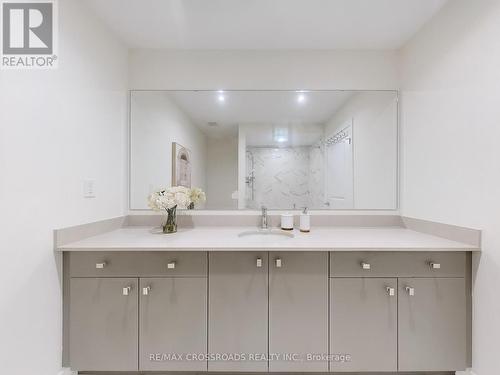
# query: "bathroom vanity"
219,299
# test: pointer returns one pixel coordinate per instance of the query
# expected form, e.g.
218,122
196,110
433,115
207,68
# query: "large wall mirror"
279,149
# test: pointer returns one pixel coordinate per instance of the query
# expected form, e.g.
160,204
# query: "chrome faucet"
264,219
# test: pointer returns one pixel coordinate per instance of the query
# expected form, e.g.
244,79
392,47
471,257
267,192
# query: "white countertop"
211,238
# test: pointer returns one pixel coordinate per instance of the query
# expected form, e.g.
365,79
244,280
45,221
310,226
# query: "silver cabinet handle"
391,291
100,265
171,265
146,290
278,262
126,290
410,291
259,262
366,266
435,266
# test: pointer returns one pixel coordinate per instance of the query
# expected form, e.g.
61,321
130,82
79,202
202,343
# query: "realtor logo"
28,35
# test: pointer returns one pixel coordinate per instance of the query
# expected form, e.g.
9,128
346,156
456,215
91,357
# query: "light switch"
89,189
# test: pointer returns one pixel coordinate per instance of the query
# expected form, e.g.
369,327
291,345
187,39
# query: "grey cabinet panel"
104,264
432,324
138,264
363,324
103,325
398,264
238,308
185,264
173,321
298,310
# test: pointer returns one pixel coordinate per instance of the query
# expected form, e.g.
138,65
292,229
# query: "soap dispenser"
305,221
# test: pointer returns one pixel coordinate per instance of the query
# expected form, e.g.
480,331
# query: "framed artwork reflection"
181,165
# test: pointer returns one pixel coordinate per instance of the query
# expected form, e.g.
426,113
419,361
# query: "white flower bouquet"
169,199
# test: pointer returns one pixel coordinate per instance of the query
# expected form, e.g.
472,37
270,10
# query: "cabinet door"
298,311
363,324
432,324
173,324
103,324
238,308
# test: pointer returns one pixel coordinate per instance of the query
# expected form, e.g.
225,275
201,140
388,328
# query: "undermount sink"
266,232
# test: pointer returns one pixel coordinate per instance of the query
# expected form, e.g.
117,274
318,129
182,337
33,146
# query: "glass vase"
170,222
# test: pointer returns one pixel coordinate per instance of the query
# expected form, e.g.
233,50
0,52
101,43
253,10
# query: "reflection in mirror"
279,149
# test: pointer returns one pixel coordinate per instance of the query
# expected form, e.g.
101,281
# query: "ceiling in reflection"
219,113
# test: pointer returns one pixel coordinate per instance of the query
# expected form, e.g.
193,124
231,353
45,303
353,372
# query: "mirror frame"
246,211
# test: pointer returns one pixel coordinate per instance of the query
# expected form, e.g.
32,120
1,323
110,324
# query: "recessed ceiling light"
220,96
301,96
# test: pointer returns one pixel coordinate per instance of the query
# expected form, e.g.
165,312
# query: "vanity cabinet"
283,311
274,304
429,301
432,324
119,323
104,331
238,308
363,324
298,310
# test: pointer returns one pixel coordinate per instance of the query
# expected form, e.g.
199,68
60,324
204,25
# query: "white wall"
286,69
451,130
156,122
374,117
56,129
222,173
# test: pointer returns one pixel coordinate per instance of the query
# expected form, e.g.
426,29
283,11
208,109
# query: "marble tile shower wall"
316,176
285,177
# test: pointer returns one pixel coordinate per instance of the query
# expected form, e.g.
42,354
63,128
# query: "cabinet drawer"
397,264
129,264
